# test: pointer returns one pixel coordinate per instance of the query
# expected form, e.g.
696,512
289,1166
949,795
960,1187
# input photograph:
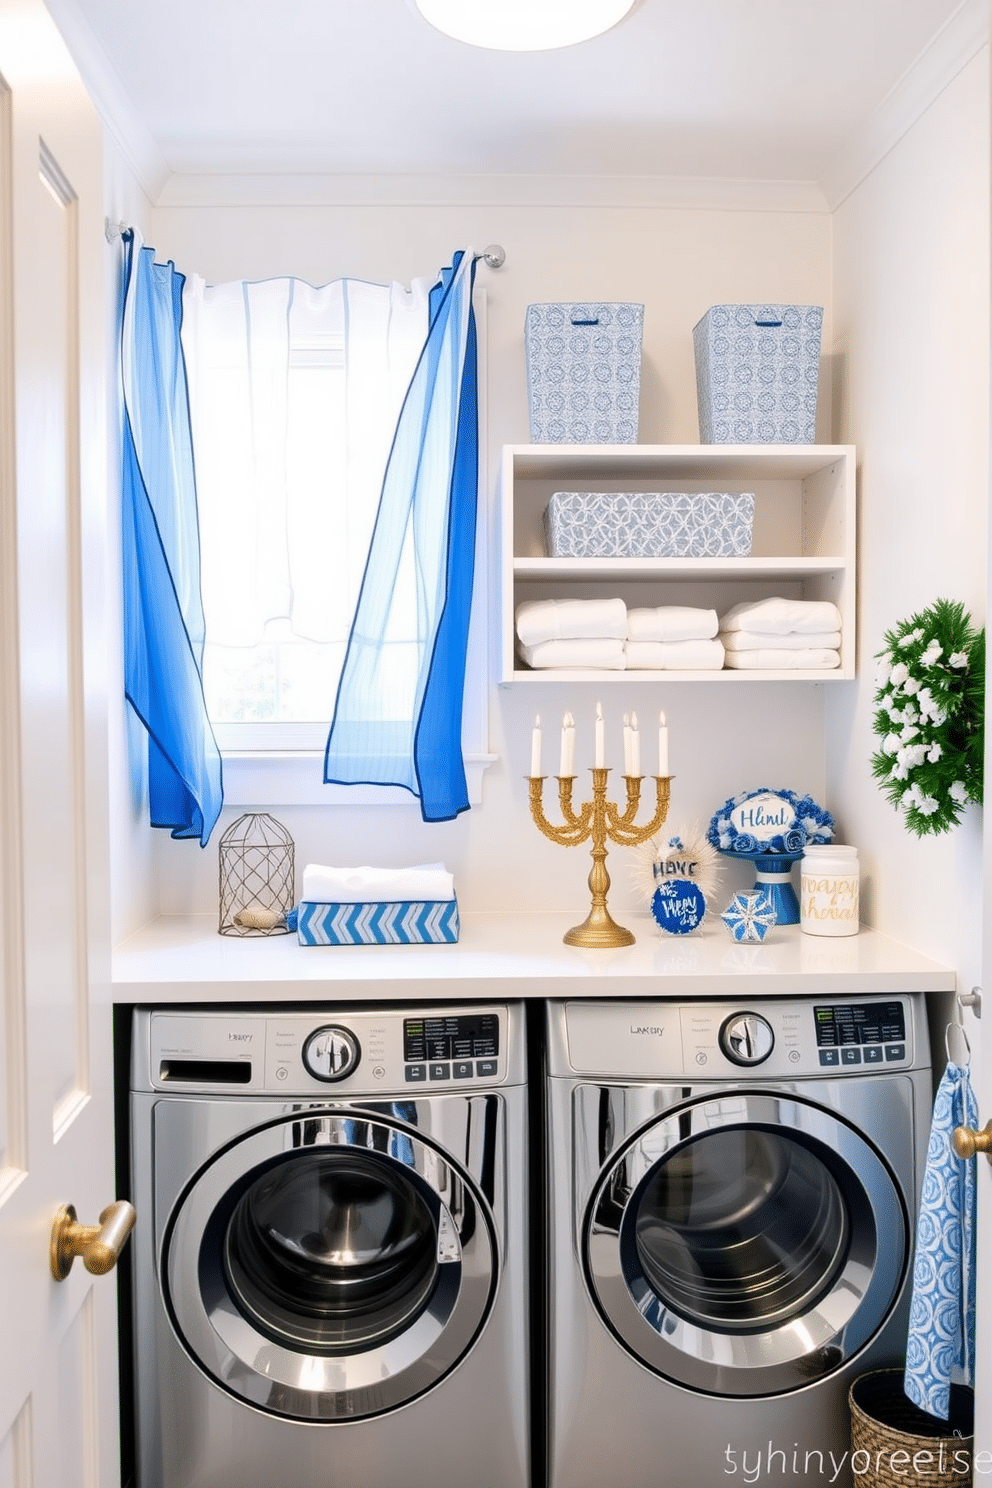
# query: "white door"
58,1372
982,1062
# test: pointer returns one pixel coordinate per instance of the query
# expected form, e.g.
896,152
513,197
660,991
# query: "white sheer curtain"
295,393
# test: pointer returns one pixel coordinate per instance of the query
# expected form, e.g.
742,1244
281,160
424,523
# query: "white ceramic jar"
829,891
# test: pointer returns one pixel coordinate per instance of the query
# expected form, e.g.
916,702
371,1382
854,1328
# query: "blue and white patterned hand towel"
942,1317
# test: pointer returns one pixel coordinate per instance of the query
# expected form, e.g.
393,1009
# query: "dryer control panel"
776,1039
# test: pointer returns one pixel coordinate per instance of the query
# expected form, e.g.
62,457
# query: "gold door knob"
968,1143
99,1245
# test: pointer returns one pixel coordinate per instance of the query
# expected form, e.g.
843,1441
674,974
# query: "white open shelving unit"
803,542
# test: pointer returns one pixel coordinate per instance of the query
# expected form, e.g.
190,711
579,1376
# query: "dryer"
330,1285
732,1199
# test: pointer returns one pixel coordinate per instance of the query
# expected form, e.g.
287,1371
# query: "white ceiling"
770,90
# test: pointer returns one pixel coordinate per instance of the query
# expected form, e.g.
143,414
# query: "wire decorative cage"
256,876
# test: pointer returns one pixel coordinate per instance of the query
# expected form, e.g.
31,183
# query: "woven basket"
894,1443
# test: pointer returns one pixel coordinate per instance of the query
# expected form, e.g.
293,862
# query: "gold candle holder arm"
621,827
576,828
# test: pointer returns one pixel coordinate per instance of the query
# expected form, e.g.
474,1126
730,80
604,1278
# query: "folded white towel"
779,659
671,623
376,885
570,619
753,640
685,656
606,653
781,616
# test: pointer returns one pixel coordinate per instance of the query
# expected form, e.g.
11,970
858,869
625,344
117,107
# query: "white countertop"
512,955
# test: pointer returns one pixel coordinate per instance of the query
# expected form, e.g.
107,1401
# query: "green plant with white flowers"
930,717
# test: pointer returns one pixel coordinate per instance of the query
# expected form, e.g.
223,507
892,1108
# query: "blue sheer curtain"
163,612
398,714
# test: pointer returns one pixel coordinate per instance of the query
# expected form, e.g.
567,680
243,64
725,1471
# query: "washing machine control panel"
455,1046
348,1050
860,1033
747,1039
773,1038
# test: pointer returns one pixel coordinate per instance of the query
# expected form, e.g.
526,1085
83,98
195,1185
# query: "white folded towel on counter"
425,881
606,653
780,659
753,640
783,616
570,619
671,623
685,656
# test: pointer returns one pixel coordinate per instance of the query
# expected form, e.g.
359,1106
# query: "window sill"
295,778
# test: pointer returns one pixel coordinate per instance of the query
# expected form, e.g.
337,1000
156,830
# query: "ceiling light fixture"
523,25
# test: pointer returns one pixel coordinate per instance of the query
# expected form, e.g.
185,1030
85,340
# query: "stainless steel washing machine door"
328,1266
746,1244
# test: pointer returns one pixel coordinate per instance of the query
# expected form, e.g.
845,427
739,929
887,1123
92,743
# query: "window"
295,393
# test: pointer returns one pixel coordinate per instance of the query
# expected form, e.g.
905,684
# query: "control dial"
331,1053
746,1038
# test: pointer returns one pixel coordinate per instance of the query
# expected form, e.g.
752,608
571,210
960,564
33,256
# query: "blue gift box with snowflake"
749,915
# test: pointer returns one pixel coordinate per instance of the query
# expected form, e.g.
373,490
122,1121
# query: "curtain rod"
493,256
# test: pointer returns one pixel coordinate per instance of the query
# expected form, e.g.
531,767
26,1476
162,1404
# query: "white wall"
911,327
678,262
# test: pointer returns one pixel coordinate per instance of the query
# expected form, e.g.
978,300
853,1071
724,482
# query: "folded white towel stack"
783,616
570,620
425,881
753,640
780,635
606,654
587,633
672,656
671,623
781,659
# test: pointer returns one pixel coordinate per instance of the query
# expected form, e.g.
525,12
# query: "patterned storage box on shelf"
649,524
757,373
407,922
584,372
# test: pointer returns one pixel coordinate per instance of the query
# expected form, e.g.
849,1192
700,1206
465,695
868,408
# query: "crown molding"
121,119
957,43
400,190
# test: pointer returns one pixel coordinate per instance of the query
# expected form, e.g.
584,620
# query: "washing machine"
732,1199
330,1264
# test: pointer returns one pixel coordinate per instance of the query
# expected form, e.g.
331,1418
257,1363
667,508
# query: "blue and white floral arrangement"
771,828
930,717
677,877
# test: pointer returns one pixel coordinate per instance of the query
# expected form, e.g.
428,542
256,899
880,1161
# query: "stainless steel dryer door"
746,1244
328,1266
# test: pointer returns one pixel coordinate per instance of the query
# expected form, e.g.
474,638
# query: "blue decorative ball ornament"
678,905
749,915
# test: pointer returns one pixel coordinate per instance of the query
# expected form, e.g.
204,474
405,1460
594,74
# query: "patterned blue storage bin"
406,922
649,524
584,372
757,373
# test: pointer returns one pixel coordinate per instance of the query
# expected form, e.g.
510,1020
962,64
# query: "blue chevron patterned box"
406,922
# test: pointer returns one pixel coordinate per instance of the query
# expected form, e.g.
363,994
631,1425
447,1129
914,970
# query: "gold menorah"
598,819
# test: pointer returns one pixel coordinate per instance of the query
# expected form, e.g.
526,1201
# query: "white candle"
626,745
535,747
600,758
662,745
567,766
635,747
